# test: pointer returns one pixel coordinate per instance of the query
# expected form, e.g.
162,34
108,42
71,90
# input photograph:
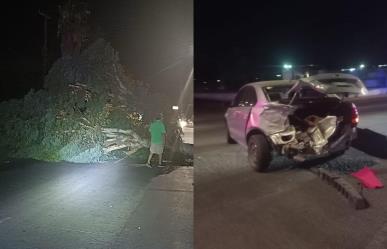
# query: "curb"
343,186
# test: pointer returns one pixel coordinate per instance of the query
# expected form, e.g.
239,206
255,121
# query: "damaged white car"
294,118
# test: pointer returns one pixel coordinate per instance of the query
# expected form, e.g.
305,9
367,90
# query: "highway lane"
289,207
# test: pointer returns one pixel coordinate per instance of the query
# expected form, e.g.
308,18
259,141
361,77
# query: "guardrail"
223,97
369,100
374,96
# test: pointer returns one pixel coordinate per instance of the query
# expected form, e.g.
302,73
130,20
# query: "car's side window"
246,97
244,100
239,99
251,96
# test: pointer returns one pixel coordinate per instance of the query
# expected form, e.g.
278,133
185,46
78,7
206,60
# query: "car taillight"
355,115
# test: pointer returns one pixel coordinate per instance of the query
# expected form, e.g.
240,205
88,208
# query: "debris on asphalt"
344,187
352,161
368,178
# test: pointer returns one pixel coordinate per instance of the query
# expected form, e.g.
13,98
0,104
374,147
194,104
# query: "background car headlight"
182,123
363,91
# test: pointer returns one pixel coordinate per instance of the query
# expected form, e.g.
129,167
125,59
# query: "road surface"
288,207
68,206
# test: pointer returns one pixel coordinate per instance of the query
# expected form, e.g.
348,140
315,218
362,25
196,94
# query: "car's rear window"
276,93
279,93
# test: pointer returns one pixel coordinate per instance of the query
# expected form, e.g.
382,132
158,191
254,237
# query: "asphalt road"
73,206
288,207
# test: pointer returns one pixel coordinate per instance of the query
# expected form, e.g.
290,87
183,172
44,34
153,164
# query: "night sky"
238,39
154,39
232,40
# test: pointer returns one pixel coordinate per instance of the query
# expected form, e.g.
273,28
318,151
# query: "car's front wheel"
259,154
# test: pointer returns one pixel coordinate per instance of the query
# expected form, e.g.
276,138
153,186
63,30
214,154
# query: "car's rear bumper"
343,141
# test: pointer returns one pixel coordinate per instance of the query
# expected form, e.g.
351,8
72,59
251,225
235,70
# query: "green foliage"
58,129
84,93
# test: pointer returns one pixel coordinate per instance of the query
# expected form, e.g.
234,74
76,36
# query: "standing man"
157,131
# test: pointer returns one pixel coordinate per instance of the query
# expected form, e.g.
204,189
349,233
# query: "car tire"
259,154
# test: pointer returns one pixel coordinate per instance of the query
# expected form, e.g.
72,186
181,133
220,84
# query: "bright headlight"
320,86
182,123
363,91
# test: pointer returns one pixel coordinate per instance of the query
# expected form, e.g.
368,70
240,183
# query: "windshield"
279,93
308,92
276,93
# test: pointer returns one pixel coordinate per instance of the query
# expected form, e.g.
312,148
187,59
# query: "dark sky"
154,39
241,37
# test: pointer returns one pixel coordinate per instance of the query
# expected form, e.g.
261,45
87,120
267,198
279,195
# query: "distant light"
320,86
382,65
278,75
307,74
352,69
362,66
204,82
175,107
287,66
182,123
217,80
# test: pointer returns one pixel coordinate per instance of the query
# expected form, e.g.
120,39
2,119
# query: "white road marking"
5,219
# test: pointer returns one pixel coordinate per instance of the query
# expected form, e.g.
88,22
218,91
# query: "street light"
287,66
362,66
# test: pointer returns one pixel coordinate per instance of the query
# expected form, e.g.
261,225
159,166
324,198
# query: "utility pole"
44,48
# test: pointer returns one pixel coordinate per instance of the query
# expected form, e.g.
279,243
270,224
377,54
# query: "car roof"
320,76
271,83
333,75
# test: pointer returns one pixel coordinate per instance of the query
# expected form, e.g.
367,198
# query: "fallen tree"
88,100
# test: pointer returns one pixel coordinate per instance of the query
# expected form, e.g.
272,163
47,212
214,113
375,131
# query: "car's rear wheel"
259,154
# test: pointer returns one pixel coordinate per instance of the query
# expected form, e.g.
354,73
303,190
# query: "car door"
231,116
249,99
239,113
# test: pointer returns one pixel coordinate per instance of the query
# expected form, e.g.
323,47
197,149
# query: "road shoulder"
164,217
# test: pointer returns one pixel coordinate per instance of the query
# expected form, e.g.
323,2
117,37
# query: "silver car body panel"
271,118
